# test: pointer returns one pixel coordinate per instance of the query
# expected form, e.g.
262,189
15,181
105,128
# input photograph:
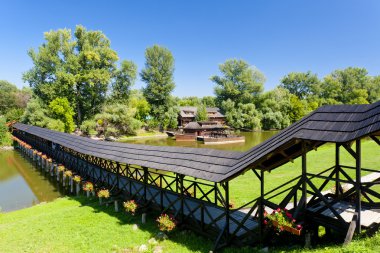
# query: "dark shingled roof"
213,112
337,123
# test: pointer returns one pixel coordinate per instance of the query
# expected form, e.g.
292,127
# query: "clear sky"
277,37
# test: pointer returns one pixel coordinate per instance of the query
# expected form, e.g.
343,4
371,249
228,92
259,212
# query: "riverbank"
81,225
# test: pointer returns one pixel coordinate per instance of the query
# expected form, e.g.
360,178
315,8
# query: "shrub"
77,178
104,193
88,187
88,127
130,206
166,222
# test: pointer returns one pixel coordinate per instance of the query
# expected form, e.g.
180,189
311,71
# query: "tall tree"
239,82
201,113
301,84
125,78
347,86
158,75
78,68
8,93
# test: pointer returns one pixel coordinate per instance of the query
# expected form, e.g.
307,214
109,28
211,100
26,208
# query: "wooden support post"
182,195
261,206
337,167
304,176
216,193
145,182
358,185
227,208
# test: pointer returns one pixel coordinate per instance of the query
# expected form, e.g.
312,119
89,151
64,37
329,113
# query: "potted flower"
88,187
77,180
60,169
166,222
130,206
282,220
103,193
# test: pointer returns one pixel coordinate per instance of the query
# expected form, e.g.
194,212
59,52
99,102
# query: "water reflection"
251,140
21,185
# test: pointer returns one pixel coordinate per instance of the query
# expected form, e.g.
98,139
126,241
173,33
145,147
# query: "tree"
347,86
301,84
140,104
158,75
118,119
36,114
189,101
79,69
239,82
170,118
125,78
208,101
8,93
201,113
60,109
242,115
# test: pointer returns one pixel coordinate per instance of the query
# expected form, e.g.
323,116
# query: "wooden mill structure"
194,184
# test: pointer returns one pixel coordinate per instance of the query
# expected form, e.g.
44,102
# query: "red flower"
299,227
265,222
278,210
289,215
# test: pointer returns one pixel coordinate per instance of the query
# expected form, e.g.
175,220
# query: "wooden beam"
337,165
351,230
375,139
358,185
350,150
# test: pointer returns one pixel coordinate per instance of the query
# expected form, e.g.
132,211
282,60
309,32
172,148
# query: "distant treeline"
78,81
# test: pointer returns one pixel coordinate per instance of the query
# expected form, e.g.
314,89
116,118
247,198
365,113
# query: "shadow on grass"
186,238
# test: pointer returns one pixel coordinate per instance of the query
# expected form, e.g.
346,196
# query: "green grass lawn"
80,225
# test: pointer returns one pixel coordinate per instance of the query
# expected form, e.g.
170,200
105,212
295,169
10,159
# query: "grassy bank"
80,225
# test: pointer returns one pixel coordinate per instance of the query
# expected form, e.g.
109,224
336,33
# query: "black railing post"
358,185
145,182
227,200
304,176
261,206
337,168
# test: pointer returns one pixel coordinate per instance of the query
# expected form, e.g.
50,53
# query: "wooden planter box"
291,230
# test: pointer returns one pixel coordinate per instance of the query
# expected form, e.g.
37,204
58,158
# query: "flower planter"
291,230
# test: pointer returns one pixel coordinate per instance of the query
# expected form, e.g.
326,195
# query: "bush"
88,127
5,138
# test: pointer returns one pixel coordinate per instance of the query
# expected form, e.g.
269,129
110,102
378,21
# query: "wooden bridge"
193,184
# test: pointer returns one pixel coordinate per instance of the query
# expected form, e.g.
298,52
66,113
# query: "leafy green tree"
301,84
88,127
170,118
79,69
242,116
125,78
189,101
208,101
118,119
36,114
201,113
60,109
8,93
158,75
140,104
347,86
14,114
4,134
239,82
374,89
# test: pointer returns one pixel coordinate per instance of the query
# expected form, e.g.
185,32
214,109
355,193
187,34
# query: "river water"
22,185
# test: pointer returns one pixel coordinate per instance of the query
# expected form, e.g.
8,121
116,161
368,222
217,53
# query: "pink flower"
278,210
289,215
265,222
293,220
299,227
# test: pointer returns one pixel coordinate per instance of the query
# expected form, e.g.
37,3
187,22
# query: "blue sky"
277,37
